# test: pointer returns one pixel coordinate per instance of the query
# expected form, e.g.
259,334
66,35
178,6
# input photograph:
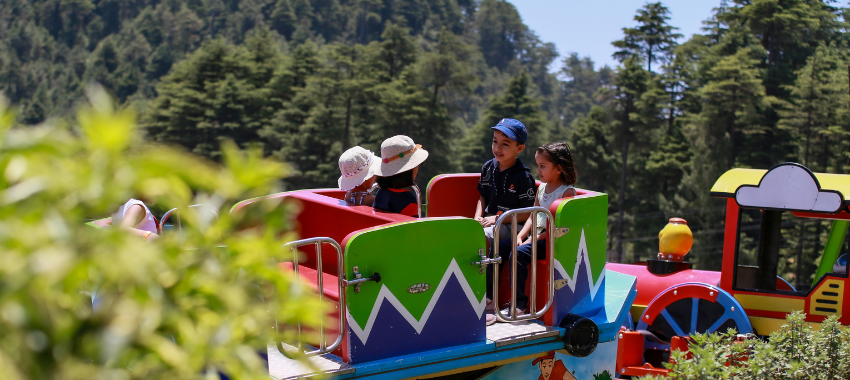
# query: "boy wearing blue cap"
505,184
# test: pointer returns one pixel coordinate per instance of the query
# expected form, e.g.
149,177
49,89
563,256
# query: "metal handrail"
161,226
532,304
341,283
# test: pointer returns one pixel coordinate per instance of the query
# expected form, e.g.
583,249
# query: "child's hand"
528,239
520,240
483,222
491,220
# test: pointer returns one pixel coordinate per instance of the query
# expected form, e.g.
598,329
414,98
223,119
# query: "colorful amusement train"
409,293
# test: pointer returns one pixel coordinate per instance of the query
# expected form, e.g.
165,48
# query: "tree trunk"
434,97
798,271
730,129
672,110
809,123
346,143
649,59
618,257
362,36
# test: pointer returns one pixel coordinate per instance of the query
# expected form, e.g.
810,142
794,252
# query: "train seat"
307,276
457,194
453,195
324,213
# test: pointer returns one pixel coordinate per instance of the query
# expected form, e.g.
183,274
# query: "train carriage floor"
499,335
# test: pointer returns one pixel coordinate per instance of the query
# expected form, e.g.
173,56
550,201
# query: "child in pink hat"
358,168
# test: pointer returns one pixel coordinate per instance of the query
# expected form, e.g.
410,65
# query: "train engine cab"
784,231
786,212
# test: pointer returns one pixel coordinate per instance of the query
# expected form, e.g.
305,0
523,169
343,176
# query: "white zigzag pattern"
418,325
385,294
581,256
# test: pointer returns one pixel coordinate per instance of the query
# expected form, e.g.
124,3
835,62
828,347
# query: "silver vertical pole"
513,266
532,306
295,270
320,281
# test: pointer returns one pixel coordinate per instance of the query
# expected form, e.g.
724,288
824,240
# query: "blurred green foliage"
796,351
192,304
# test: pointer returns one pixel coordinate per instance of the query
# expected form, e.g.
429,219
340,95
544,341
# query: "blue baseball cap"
512,128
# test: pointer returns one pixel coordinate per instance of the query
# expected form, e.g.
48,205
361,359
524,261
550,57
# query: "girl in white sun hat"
400,160
358,168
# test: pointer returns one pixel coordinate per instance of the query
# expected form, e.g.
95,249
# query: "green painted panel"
412,253
832,249
588,214
94,223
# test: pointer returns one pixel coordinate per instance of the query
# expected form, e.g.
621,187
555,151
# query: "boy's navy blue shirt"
505,190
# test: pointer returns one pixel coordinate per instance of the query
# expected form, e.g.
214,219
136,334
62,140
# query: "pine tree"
788,32
593,150
818,97
283,18
628,125
515,102
580,82
448,67
405,107
732,99
653,40
501,33
734,96
209,96
397,50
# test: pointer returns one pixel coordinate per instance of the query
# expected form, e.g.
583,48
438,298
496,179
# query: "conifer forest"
765,82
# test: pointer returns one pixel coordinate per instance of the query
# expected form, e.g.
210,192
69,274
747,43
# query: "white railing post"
532,312
324,348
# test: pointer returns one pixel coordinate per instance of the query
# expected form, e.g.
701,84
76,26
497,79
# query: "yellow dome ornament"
675,240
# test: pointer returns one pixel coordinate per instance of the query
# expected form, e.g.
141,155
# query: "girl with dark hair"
557,171
400,160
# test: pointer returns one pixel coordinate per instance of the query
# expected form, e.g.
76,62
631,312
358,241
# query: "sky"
587,27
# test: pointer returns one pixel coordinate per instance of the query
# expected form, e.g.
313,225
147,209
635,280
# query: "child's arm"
133,216
479,213
545,234
147,235
526,228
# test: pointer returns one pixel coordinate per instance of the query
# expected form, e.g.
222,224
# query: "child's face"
547,171
367,184
504,149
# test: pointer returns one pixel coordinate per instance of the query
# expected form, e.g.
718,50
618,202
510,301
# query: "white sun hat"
356,166
400,154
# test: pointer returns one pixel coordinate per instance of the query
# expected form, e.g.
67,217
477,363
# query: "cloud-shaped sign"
789,187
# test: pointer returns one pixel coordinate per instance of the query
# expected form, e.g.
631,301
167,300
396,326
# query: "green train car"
409,293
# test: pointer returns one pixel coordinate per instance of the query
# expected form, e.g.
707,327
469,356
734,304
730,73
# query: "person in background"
505,184
137,218
400,160
358,168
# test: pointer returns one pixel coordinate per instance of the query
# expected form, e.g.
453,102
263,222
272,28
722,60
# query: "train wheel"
690,308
